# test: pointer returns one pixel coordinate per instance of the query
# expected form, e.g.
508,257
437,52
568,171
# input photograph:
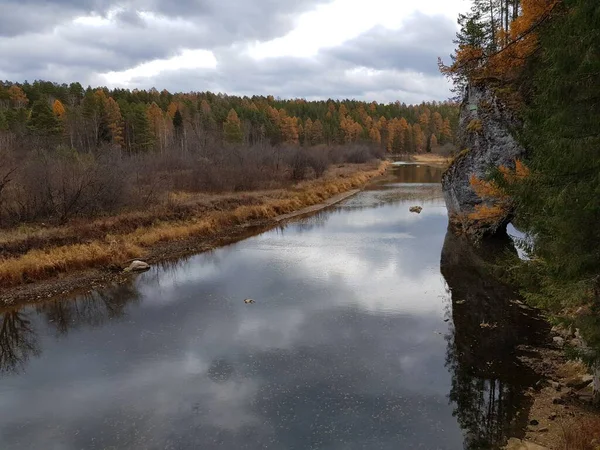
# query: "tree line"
142,121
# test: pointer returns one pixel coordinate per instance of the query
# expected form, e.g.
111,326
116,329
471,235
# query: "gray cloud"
381,64
415,46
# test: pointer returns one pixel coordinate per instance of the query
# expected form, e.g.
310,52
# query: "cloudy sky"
383,50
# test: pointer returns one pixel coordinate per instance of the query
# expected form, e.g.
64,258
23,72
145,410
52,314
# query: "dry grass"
114,240
41,264
582,434
432,159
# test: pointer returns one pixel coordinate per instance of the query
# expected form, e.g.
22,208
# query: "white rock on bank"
137,266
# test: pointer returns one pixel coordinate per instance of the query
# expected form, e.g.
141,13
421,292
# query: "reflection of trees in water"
488,381
93,309
18,341
18,338
412,173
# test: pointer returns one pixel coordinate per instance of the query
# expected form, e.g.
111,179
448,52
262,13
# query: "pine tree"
559,202
42,120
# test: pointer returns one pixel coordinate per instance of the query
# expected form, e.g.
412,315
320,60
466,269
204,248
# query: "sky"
381,50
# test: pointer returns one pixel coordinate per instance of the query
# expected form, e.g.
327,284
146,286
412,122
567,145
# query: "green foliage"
177,120
42,120
559,203
3,121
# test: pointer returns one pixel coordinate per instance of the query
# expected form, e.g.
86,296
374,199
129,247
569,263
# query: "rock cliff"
486,140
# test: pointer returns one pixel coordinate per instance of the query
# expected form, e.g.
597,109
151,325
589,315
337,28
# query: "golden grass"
116,248
580,434
41,264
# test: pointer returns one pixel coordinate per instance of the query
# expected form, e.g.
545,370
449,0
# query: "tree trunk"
596,384
493,24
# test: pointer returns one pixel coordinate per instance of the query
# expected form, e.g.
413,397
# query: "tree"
42,120
308,129
433,143
17,97
177,120
289,130
59,109
232,128
157,126
558,202
316,133
375,135
114,120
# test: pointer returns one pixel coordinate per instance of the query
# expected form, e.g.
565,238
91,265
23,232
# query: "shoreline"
561,414
173,240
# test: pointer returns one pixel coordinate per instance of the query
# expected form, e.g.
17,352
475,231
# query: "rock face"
486,141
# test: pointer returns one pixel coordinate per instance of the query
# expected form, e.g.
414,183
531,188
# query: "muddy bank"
561,415
239,223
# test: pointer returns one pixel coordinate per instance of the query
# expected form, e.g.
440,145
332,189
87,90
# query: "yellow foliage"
58,109
515,46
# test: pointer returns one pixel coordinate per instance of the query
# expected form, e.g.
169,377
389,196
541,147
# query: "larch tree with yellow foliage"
232,128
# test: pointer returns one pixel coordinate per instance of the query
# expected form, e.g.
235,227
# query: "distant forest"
46,115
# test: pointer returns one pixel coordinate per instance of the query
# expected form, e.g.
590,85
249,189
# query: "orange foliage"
375,135
115,121
17,96
352,130
59,109
515,46
497,203
289,130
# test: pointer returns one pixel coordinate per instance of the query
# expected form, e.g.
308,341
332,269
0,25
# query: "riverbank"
49,261
431,159
561,416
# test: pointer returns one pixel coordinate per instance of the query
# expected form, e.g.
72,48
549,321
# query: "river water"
359,338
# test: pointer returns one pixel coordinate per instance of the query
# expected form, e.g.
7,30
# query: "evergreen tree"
559,202
178,120
42,120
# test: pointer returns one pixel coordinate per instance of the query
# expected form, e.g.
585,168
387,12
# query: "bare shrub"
57,185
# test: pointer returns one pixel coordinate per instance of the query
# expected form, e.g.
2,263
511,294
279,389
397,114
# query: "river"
358,339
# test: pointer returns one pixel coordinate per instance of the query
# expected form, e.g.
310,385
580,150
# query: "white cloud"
335,23
187,59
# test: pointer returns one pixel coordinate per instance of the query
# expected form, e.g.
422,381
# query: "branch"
531,29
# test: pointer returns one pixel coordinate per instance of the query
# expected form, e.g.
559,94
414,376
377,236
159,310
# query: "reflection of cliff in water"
488,381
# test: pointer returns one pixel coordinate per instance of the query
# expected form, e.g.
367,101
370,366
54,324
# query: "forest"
542,59
89,148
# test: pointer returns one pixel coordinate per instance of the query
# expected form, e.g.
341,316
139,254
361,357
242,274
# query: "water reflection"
18,341
488,380
344,348
92,309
